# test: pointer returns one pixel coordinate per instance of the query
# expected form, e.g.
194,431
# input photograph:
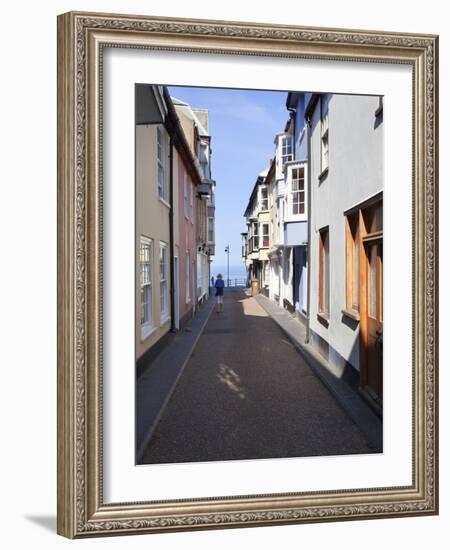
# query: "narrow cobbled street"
247,393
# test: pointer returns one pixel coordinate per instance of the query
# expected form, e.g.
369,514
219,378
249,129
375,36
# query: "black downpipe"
308,291
171,239
293,115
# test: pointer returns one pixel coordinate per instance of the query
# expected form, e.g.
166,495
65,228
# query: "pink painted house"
187,242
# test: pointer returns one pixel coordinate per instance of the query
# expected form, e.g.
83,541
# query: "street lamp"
227,250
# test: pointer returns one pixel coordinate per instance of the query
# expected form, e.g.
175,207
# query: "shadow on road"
246,394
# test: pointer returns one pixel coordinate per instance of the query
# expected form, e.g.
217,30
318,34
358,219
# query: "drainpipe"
308,292
293,115
171,240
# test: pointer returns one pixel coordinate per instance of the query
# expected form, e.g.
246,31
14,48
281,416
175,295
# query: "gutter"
311,105
293,115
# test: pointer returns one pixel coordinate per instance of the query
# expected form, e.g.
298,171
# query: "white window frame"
286,153
161,175
255,236
324,129
262,234
163,282
147,325
294,192
211,229
261,202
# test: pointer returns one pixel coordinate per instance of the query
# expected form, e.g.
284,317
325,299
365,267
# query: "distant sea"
236,271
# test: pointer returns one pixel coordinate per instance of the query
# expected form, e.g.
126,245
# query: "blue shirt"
220,283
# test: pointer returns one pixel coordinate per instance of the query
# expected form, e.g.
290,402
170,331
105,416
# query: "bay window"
298,190
255,245
286,149
265,235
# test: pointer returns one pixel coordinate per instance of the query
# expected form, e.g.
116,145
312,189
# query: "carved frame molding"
81,39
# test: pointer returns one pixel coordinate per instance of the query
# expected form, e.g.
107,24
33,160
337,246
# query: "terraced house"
346,236
322,201
172,194
257,236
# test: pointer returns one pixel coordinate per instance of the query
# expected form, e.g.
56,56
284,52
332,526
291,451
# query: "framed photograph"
247,283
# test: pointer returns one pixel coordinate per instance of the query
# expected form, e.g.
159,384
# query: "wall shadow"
46,522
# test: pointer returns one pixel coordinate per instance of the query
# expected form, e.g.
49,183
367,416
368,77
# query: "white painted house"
289,190
346,236
257,237
322,201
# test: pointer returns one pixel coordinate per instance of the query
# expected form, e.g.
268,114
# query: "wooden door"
374,285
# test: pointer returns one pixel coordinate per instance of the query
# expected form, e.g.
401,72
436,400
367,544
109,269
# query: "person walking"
219,286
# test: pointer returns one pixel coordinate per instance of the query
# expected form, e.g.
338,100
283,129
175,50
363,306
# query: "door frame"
365,238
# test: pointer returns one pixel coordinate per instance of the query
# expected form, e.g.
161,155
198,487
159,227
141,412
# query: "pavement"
246,393
157,382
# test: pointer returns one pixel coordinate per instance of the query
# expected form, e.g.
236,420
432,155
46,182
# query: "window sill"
146,331
164,202
352,314
164,319
323,174
323,318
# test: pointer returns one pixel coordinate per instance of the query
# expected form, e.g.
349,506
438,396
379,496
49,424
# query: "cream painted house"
259,222
153,236
172,192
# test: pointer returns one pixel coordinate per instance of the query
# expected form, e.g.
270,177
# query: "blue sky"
242,124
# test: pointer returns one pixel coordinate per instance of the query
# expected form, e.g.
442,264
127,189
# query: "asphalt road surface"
246,393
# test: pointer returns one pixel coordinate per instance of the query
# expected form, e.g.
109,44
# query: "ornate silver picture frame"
82,39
